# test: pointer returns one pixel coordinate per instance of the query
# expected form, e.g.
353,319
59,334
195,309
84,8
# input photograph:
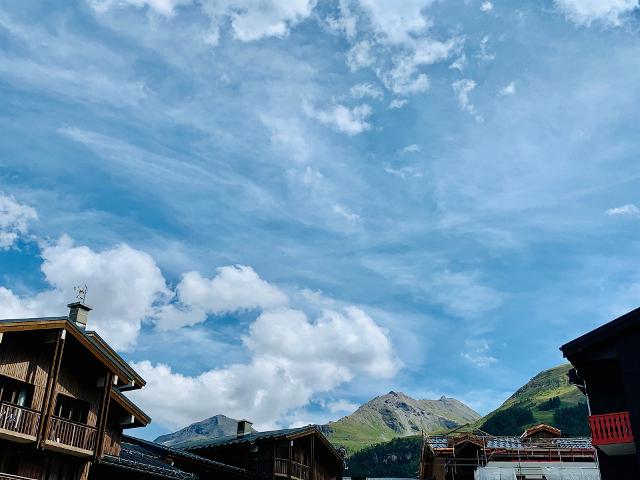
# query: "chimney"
78,313
244,428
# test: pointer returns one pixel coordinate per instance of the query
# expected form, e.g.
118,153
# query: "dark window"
9,463
15,392
71,409
57,470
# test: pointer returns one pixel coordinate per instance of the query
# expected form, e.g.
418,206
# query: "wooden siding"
26,362
112,439
70,384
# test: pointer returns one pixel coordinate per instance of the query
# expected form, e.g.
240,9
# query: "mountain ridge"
212,427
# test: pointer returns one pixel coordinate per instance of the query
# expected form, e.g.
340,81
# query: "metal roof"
516,443
248,438
139,458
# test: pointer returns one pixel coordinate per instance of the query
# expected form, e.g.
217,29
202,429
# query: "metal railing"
610,428
18,419
73,434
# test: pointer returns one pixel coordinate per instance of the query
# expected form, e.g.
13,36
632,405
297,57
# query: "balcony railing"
298,470
64,432
611,428
6,476
20,420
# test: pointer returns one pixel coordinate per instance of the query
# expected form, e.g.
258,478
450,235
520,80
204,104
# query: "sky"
283,208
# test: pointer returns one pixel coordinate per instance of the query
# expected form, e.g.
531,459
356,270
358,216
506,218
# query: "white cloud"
405,77
124,286
403,172
347,214
342,406
462,294
292,358
484,55
256,19
362,90
249,19
360,56
163,7
234,288
351,121
413,148
462,88
628,210
14,220
459,63
585,12
486,6
398,22
507,90
477,353
397,103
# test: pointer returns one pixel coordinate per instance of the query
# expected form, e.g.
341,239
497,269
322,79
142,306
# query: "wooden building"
607,370
63,411
539,453
298,453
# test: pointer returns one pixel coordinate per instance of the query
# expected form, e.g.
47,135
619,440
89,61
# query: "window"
71,409
9,463
15,392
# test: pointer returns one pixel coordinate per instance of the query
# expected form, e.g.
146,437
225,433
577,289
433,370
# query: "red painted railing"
610,428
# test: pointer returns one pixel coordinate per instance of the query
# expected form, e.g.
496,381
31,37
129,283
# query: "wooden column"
313,457
290,459
102,415
273,463
52,382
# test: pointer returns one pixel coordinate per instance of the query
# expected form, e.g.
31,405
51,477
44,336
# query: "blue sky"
282,208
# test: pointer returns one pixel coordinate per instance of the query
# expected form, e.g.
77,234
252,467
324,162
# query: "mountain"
546,398
216,426
397,415
398,458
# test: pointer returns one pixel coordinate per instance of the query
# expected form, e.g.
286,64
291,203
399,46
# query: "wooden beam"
102,415
52,381
290,459
313,457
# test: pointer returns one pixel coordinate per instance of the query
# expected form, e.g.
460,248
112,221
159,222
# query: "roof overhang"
141,419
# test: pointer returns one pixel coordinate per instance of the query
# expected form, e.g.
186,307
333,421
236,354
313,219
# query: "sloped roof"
516,443
248,438
540,428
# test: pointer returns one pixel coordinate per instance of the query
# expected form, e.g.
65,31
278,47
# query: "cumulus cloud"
360,56
342,406
351,121
507,90
362,90
459,63
292,358
585,12
234,288
628,210
14,220
124,286
486,6
477,353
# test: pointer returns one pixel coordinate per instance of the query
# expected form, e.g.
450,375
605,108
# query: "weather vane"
81,293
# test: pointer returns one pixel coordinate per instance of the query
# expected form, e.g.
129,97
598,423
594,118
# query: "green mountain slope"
398,458
397,415
546,398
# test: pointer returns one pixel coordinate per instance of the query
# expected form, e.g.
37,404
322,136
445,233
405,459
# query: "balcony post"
102,416
52,382
313,457
290,459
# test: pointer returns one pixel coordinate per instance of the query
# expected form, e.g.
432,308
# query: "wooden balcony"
298,470
70,437
612,433
18,424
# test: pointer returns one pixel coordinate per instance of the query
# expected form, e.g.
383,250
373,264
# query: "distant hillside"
216,426
397,415
546,398
398,458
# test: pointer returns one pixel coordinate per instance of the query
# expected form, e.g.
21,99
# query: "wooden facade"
293,454
56,385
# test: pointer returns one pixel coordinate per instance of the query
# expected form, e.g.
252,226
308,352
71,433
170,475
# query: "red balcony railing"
610,428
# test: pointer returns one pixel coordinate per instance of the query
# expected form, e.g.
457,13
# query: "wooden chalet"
539,453
63,410
607,371
295,454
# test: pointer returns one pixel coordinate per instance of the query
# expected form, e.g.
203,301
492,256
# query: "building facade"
540,453
607,370
63,411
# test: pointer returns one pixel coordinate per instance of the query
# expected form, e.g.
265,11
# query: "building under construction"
540,453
